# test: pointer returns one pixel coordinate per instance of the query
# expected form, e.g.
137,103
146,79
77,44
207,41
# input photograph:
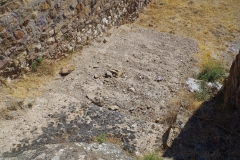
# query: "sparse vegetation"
203,94
107,138
36,63
101,138
212,71
152,156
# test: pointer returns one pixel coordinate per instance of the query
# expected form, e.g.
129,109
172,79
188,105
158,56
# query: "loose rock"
116,72
131,89
104,41
159,79
113,108
96,76
108,74
193,85
95,99
67,69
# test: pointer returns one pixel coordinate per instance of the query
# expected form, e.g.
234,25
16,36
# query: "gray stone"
108,74
159,79
193,85
214,85
95,99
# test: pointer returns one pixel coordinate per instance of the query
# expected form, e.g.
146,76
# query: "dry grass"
113,139
186,100
30,83
212,24
102,138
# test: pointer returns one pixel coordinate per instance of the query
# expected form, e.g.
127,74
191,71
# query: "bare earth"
144,56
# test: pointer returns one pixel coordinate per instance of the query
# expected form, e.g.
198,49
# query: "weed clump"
203,94
212,71
101,138
36,63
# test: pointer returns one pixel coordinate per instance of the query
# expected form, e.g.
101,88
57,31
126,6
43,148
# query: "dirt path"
145,68
150,67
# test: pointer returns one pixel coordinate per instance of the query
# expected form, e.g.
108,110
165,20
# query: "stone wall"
54,28
232,86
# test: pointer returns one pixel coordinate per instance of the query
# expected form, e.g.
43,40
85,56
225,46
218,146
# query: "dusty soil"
144,56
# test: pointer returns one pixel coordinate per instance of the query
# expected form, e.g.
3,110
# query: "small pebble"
96,76
108,74
159,79
131,89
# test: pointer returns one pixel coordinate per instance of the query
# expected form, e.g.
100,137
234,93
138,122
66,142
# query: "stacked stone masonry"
54,28
232,86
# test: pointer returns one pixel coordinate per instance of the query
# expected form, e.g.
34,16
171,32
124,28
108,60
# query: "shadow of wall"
212,132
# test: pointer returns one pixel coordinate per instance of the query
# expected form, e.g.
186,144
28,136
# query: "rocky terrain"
120,86
130,84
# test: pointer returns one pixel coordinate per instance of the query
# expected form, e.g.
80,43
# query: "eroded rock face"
232,86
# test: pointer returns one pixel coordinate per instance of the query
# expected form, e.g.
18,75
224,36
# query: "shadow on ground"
93,121
210,133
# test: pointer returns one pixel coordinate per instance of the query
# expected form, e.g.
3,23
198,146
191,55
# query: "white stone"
113,108
193,85
105,20
216,85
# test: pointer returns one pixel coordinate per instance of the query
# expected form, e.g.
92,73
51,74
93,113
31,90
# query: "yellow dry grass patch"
29,85
212,23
